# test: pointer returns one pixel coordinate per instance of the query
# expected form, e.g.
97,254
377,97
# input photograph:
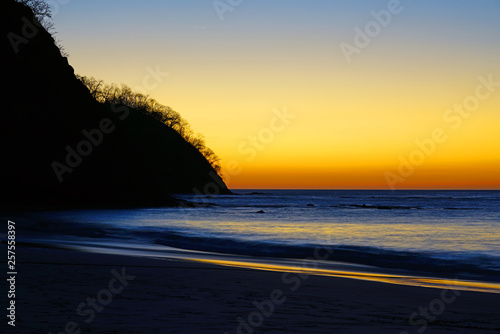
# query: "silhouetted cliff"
58,146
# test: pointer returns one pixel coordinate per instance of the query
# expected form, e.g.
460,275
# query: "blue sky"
227,76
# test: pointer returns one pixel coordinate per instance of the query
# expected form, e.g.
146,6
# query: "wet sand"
64,291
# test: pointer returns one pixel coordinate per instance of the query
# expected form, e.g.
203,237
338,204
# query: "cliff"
58,146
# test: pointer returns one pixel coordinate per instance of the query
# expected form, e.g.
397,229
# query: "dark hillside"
46,113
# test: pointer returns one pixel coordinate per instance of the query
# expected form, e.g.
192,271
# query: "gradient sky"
353,122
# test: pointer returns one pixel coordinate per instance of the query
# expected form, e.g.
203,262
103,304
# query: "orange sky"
350,124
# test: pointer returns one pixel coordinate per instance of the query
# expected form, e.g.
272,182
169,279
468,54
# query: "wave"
442,264
379,207
344,206
151,226
424,197
383,200
316,205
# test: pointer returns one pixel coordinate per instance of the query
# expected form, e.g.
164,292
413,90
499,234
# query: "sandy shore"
63,291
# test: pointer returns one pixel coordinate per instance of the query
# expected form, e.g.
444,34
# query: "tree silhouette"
124,95
43,13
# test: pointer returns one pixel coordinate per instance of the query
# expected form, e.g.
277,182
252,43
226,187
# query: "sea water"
448,233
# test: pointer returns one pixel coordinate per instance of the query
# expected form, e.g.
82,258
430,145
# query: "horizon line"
382,189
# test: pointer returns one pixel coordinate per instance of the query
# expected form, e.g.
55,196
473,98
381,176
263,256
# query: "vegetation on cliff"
62,144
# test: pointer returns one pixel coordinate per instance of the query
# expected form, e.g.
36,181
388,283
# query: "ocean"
451,234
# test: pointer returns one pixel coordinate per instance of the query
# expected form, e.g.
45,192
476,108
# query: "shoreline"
320,265
179,296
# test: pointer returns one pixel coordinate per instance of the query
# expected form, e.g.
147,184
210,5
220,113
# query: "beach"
346,179
68,291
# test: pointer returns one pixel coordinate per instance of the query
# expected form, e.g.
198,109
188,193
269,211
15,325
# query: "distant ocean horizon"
446,233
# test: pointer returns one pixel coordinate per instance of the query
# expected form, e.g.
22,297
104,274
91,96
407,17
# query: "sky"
312,94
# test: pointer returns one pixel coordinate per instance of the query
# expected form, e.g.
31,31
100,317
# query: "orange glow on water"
366,276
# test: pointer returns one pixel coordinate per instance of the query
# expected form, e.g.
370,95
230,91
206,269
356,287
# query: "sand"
64,291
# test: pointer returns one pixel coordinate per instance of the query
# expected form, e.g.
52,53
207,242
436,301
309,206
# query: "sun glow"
353,122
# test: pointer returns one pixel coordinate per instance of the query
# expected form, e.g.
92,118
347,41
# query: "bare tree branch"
123,94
